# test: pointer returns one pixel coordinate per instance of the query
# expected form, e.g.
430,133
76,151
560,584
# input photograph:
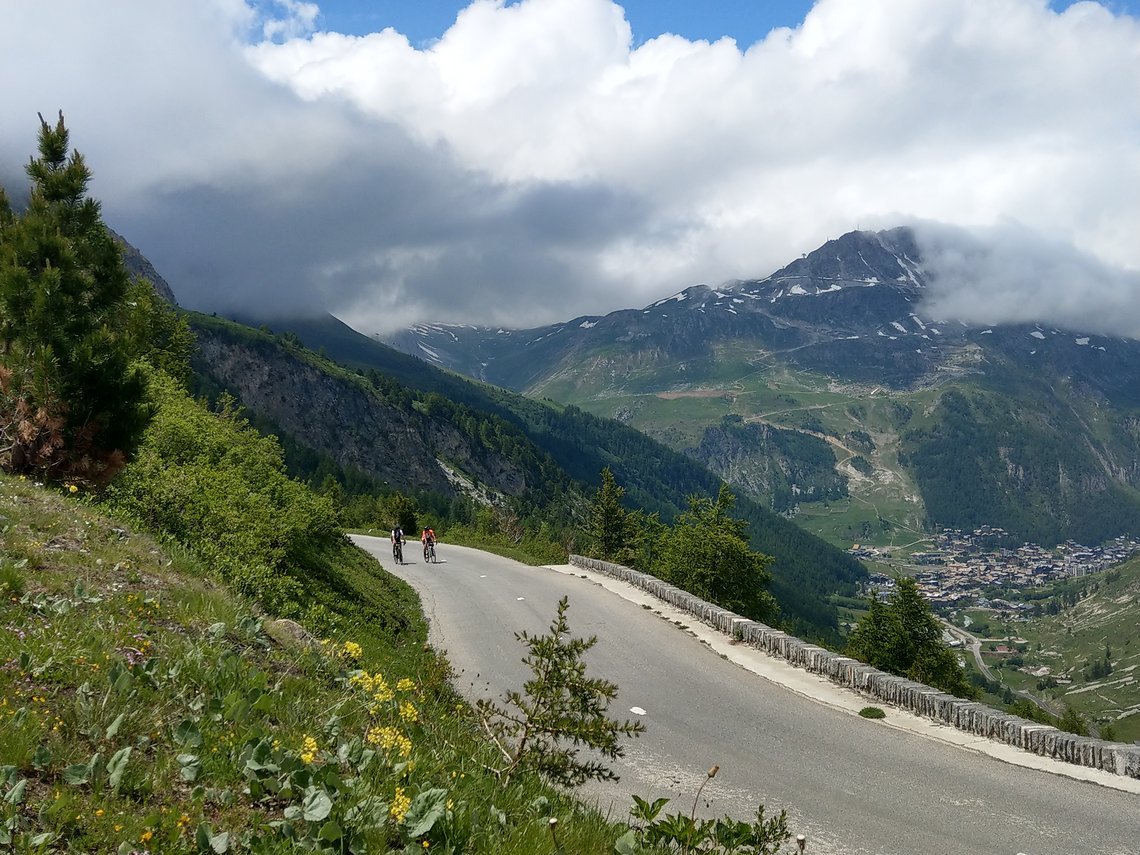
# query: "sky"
528,162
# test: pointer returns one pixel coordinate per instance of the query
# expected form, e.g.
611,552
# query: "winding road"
851,785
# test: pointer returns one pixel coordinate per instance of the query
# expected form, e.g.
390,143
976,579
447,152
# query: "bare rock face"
141,268
342,415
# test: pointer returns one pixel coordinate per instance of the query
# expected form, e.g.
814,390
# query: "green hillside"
144,707
657,479
1095,622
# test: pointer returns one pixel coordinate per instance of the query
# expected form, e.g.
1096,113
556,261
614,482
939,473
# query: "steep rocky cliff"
392,437
790,466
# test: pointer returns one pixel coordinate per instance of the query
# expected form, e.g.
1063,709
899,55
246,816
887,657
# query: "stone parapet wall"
968,716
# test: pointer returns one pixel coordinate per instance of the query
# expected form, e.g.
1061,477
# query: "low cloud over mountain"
534,163
1009,274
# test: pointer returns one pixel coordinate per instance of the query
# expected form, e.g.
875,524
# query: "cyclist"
428,540
398,544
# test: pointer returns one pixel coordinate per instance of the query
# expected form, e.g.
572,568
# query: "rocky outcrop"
141,268
782,466
340,414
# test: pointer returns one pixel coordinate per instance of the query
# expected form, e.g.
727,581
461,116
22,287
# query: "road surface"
851,785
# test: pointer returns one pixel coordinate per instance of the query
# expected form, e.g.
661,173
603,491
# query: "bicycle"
398,552
429,551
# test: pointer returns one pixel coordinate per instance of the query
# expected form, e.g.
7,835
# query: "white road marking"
637,710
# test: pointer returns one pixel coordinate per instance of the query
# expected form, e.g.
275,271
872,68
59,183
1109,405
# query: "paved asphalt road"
850,785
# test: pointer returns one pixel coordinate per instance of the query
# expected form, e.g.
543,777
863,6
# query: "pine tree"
610,526
559,710
71,397
903,637
708,554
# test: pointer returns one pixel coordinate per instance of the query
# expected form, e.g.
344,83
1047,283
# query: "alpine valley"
828,393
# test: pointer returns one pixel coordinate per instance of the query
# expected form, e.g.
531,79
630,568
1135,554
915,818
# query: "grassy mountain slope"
657,479
1071,642
145,708
837,343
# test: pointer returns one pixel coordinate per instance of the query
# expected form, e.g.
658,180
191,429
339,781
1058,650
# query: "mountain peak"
855,259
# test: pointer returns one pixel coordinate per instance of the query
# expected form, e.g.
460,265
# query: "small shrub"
11,579
542,727
872,712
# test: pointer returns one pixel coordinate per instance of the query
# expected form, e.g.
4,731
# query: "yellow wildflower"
146,836
408,712
353,650
405,685
400,805
71,488
308,750
390,739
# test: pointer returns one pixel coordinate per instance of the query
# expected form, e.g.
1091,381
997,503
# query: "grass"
1065,643
872,712
145,708
883,510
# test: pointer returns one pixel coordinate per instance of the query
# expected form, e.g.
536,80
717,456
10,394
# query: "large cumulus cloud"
533,164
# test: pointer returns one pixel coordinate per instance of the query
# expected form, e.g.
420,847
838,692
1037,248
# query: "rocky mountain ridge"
386,438
845,332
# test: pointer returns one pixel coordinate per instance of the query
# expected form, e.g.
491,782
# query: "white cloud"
1011,274
531,164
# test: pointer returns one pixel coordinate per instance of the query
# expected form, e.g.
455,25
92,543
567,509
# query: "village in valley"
965,568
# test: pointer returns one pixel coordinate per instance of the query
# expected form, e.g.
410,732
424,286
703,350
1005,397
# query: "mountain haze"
931,421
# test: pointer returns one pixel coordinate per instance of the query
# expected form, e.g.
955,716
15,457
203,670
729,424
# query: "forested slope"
656,478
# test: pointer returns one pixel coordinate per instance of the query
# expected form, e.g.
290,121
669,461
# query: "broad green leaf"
330,831
16,794
220,843
317,805
77,774
114,726
42,758
627,844
116,766
187,734
191,767
424,811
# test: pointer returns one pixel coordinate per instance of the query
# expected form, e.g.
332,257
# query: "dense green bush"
213,484
707,553
903,637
